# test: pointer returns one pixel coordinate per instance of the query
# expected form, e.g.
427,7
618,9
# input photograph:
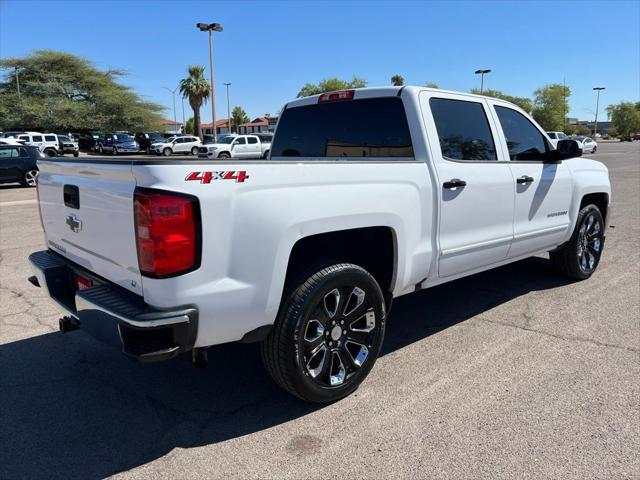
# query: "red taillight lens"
334,96
167,232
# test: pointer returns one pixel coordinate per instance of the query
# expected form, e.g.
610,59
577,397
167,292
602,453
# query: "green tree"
570,129
583,130
238,116
625,119
188,128
551,105
523,102
397,80
431,85
197,89
330,85
60,91
612,132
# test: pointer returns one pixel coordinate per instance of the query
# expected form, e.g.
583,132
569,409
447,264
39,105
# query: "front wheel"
30,178
579,257
167,152
224,155
328,334
594,150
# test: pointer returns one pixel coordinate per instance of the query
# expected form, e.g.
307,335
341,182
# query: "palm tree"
197,89
397,80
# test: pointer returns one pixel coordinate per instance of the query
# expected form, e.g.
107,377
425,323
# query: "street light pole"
481,73
173,94
595,124
184,121
228,108
211,27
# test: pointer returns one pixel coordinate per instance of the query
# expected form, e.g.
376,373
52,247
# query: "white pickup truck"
367,195
242,147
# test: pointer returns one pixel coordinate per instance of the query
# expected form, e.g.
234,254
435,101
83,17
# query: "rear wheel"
579,257
167,152
50,152
30,178
194,151
328,334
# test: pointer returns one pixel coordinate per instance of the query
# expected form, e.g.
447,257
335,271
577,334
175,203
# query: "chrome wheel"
589,243
31,178
338,336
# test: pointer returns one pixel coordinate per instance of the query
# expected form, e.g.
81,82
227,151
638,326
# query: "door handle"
525,179
454,183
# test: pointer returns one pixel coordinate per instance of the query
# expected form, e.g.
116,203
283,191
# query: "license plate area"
81,282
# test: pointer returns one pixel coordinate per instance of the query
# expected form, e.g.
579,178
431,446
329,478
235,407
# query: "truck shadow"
71,407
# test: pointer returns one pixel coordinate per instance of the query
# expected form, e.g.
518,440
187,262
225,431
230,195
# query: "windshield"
121,137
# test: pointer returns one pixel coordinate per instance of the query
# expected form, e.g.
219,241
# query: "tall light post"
595,125
173,94
481,73
184,121
228,107
211,27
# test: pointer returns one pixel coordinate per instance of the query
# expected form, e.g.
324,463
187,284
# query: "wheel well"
372,248
600,200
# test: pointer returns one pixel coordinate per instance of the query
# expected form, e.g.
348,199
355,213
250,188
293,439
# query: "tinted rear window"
371,127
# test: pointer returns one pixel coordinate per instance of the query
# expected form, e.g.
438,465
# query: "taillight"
334,96
167,232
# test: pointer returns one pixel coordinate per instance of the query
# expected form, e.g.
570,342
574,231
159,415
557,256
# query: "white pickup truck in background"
242,147
366,195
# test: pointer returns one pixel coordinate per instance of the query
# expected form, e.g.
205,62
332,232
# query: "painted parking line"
18,202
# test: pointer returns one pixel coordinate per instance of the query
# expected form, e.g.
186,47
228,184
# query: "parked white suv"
555,137
186,145
367,195
238,146
47,143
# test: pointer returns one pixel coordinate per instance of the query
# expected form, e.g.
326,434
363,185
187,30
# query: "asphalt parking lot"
513,373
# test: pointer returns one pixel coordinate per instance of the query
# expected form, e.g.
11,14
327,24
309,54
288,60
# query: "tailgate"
87,214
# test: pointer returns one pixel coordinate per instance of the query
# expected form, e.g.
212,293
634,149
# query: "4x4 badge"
75,224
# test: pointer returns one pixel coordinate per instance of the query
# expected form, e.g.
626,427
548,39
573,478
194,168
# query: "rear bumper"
114,315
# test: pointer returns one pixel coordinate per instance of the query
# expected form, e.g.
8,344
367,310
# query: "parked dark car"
19,164
145,139
88,141
118,142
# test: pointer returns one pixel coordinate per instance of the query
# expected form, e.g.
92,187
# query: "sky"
269,49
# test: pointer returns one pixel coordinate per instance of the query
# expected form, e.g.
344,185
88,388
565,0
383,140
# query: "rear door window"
463,130
49,138
252,140
524,140
370,127
36,138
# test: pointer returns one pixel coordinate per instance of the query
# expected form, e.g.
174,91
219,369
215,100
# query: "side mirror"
567,149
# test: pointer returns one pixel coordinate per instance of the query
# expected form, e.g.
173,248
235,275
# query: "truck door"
475,184
543,189
239,148
253,147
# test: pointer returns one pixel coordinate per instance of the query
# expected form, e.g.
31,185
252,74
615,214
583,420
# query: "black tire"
224,155
76,154
167,152
29,178
265,155
194,151
50,152
572,259
114,151
594,150
312,353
